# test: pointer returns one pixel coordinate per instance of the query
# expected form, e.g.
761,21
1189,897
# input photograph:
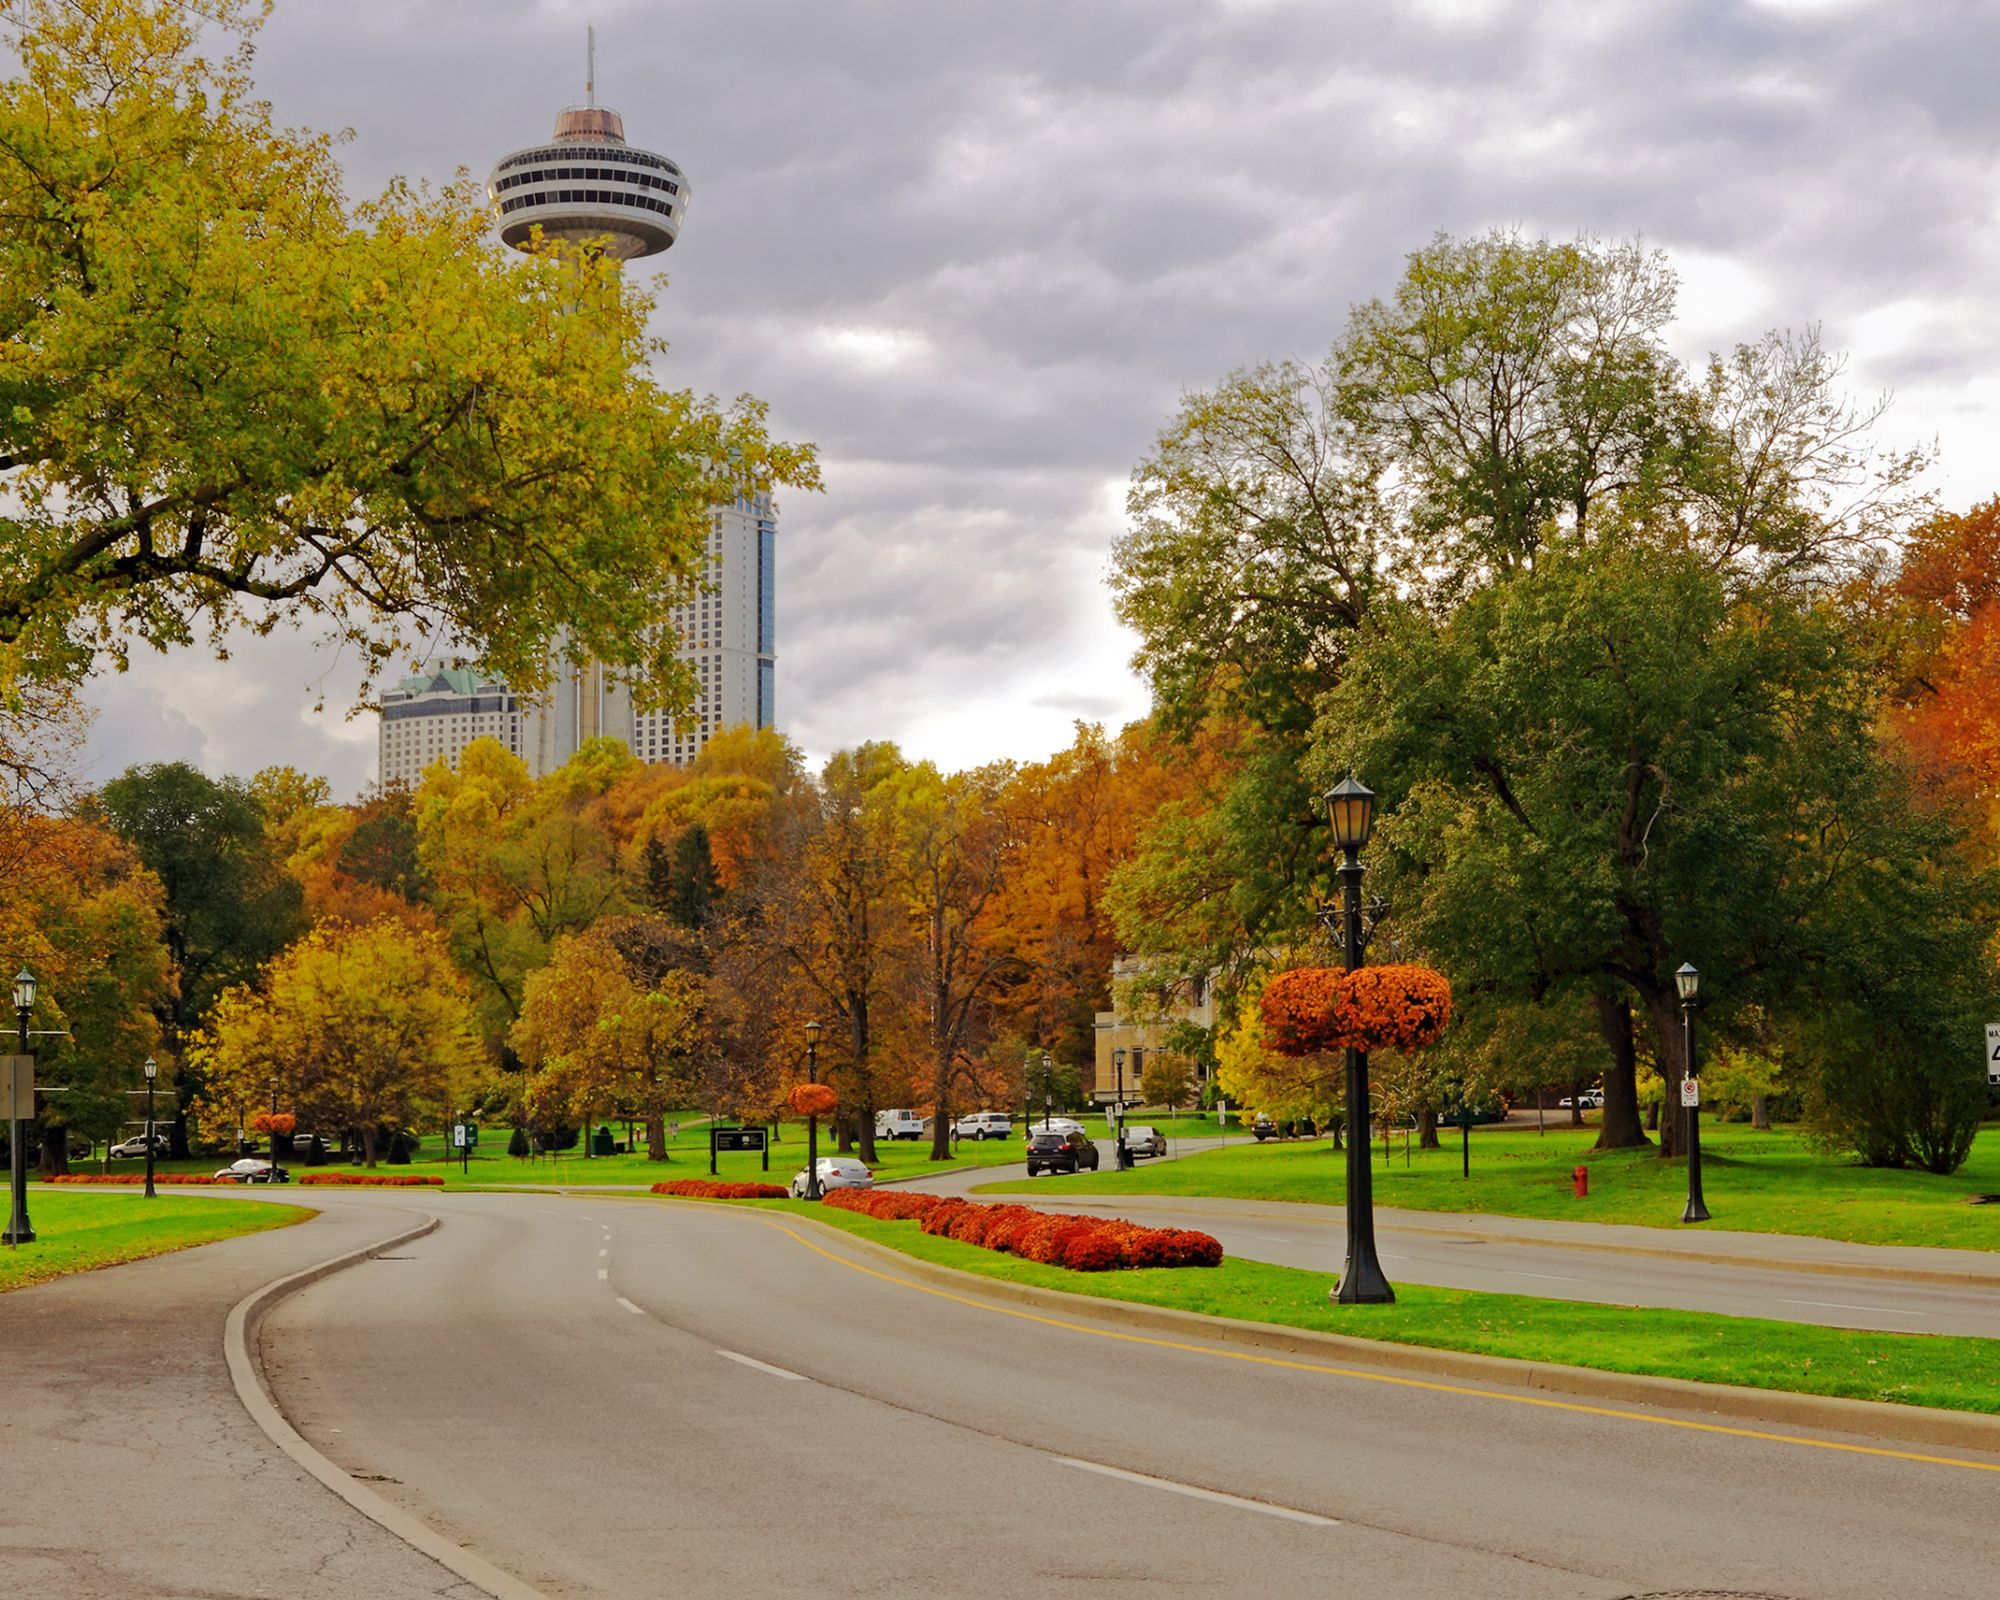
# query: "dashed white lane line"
1216,1496
1844,1305
763,1366
604,1274
604,1252
627,1304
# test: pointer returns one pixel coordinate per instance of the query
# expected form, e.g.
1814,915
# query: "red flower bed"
709,1189
134,1177
1082,1244
374,1180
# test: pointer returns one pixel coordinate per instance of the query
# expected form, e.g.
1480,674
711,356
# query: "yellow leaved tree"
614,1024
367,1029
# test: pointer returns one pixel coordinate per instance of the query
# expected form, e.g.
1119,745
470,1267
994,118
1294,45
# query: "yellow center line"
1430,1385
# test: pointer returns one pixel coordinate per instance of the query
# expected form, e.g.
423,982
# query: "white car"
985,1125
252,1170
1590,1100
835,1172
136,1145
1142,1139
1056,1125
899,1125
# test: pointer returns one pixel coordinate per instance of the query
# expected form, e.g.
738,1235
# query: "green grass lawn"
1774,1182
490,1164
78,1232
1909,1369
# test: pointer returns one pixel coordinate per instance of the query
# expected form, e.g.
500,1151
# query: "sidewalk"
127,1465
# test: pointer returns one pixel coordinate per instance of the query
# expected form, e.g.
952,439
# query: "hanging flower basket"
274,1122
1298,1010
1311,1009
814,1099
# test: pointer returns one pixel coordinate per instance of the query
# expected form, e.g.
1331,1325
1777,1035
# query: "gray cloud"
977,252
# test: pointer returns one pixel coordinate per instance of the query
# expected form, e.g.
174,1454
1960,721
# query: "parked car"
1590,1100
1142,1139
835,1172
252,1170
985,1125
136,1145
1055,1125
1264,1127
1060,1150
899,1125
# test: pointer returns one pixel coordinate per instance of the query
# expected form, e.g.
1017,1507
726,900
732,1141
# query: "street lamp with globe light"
152,1070
812,1123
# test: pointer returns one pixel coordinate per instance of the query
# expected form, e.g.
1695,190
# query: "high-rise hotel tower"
588,185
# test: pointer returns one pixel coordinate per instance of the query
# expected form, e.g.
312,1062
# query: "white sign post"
1993,1054
1690,1091
458,1136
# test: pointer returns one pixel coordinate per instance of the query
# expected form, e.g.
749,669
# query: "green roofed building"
434,716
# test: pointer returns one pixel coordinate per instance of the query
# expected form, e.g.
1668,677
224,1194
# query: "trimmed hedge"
1082,1244
374,1180
711,1189
135,1178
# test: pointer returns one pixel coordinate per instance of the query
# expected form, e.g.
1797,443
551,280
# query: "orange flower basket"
274,1122
1310,1009
814,1099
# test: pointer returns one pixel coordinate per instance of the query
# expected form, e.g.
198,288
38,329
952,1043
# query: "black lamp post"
1350,806
1118,1056
812,1122
19,1229
152,1072
271,1138
1688,981
1027,1091
1048,1090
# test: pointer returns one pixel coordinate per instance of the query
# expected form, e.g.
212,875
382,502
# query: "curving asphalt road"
635,1398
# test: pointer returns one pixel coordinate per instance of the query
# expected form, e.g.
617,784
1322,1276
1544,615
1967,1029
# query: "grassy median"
81,1232
1772,1182
1956,1374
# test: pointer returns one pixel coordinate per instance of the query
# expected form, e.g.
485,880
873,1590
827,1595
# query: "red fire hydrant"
1581,1181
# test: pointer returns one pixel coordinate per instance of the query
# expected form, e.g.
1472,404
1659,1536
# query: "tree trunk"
1333,1127
1760,1112
1618,1128
868,1126
1427,1127
1576,1102
368,1144
55,1149
1664,1012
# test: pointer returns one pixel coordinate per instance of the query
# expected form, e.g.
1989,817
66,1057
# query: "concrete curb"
238,1343
1872,1419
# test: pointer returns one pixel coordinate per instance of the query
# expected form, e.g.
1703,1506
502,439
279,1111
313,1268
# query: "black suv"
1060,1152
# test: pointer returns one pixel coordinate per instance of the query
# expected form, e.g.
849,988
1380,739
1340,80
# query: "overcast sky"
976,249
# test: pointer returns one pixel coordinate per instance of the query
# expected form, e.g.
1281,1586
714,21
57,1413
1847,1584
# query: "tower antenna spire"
590,65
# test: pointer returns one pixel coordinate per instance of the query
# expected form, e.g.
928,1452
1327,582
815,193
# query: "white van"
985,1125
898,1125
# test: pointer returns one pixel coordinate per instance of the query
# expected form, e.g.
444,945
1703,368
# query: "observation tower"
588,185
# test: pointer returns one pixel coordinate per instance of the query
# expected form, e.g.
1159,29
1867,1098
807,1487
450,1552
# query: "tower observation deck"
587,185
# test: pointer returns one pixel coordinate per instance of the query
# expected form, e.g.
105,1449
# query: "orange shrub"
373,1180
1082,1244
712,1189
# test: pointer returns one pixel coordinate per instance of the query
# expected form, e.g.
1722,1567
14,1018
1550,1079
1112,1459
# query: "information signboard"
1690,1091
17,1088
739,1138
1993,1054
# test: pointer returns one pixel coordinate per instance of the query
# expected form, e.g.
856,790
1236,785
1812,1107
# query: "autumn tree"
367,1029
615,1020
81,911
236,397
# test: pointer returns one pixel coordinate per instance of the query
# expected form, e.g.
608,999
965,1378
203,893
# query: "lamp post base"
1365,1285
1695,1212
